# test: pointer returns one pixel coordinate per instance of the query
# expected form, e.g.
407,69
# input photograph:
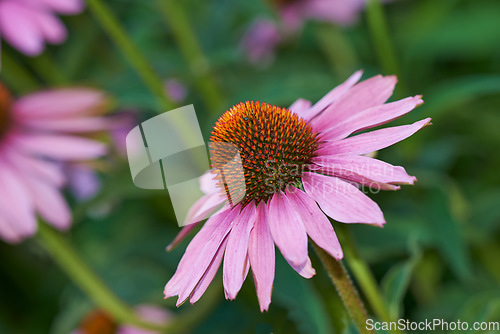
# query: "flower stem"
75,267
16,75
176,19
337,48
345,289
380,33
117,33
46,68
364,277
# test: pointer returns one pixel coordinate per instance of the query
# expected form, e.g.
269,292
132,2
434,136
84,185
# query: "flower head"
301,166
37,132
28,24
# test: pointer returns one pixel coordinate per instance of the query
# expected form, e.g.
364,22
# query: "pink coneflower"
37,132
301,166
28,24
99,322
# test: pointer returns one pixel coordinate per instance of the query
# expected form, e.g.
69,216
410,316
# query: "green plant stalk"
16,76
365,278
186,39
83,276
117,33
345,289
338,49
74,266
46,68
380,33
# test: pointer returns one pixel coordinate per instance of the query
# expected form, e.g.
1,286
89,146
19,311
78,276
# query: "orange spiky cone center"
5,104
275,145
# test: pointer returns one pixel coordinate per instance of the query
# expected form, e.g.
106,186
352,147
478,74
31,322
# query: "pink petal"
65,6
364,170
235,257
317,225
209,274
341,200
60,147
18,29
50,26
199,254
15,201
333,95
62,102
86,124
300,107
46,170
366,94
372,117
208,183
49,203
261,256
372,141
8,232
305,270
287,230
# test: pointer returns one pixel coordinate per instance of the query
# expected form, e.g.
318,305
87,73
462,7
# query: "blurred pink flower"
37,133
301,166
176,90
260,40
99,322
28,24
149,313
294,13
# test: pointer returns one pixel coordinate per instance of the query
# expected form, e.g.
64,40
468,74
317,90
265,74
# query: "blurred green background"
438,255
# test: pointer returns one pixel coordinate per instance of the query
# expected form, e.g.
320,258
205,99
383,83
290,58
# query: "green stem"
74,266
345,289
16,76
338,49
364,277
199,66
383,45
83,276
48,70
117,33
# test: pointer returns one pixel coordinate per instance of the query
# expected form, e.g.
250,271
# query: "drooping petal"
8,232
317,225
15,201
300,107
199,254
50,26
364,170
80,124
49,202
341,200
287,230
60,147
371,117
372,141
209,274
262,257
366,94
64,102
305,270
46,170
64,6
333,96
235,257
18,29
208,183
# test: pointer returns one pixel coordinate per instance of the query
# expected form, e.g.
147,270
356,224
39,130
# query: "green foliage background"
438,255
